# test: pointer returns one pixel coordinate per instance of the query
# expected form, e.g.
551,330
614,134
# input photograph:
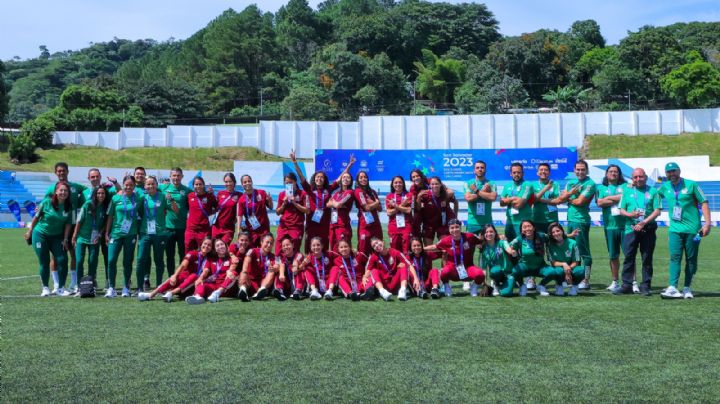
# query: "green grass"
220,159
622,146
595,347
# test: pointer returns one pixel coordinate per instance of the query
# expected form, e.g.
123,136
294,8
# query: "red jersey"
320,266
432,209
291,217
227,210
199,211
404,199
387,263
462,250
254,204
353,264
260,264
218,269
362,198
345,198
424,263
235,250
196,262
318,200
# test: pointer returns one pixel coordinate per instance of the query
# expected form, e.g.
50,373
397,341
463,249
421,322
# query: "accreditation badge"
514,211
480,208
400,220
677,213
94,236
334,216
462,272
126,225
151,228
369,219
254,223
317,216
614,211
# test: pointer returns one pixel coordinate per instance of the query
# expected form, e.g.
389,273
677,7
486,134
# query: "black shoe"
354,296
278,294
423,295
434,293
369,294
296,295
623,290
261,294
243,295
146,286
645,291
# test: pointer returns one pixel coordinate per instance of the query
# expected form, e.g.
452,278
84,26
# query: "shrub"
22,148
40,131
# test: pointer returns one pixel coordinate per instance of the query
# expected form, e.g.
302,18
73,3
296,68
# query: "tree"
3,94
565,99
299,32
695,84
487,90
40,130
438,78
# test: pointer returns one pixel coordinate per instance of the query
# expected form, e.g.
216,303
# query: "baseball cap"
671,166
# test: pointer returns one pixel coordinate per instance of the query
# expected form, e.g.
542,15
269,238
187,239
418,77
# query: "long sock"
587,273
55,278
73,278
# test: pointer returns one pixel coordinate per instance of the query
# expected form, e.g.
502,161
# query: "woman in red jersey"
368,204
340,205
436,211
293,205
201,205
316,268
294,280
418,183
387,272
459,249
238,249
213,276
347,272
398,204
183,280
259,269
253,210
422,261
226,219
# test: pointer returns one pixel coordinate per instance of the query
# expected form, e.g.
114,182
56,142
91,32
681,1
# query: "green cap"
671,166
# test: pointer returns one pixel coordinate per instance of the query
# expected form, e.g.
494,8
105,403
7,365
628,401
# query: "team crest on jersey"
204,200
568,253
326,260
259,197
353,261
391,261
466,246
235,198
182,193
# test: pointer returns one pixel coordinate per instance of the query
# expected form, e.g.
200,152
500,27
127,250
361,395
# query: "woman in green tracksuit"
530,248
49,232
121,233
89,229
565,255
495,261
153,233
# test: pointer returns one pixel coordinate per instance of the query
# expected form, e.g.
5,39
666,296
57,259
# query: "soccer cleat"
530,283
474,289
243,294
214,297
168,297
110,293
315,295
542,290
523,290
125,292
671,293
635,287
573,290
369,293
354,296
387,296
194,299
45,292
278,294
448,290
434,293
559,290
613,286
143,296
328,295
402,294
687,293
261,294
423,295
466,286
584,285
296,294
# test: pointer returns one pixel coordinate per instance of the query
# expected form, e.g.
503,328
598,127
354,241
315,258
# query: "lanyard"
352,279
250,204
229,198
200,204
455,255
219,265
288,267
395,198
419,268
200,264
320,199
677,191
434,200
132,206
382,261
317,271
265,262
516,189
154,209
491,258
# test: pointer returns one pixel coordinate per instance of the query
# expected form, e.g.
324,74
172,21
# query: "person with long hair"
49,232
175,223
418,182
229,286
319,191
202,204
459,251
253,210
530,247
340,205
258,270
398,204
225,221
427,276
437,207
347,272
88,232
293,282
564,254
293,205
213,276
121,232
496,262
607,197
387,272
368,204
182,282
316,268
152,232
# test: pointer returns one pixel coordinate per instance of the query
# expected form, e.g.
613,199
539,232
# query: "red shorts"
295,234
223,234
430,232
339,277
193,239
428,280
364,236
401,241
338,233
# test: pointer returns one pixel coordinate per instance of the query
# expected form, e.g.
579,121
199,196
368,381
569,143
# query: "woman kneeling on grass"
387,272
214,275
530,247
182,282
316,268
428,277
459,249
293,282
347,272
259,269
495,258
565,255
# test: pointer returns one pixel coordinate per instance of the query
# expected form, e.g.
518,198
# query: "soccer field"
594,347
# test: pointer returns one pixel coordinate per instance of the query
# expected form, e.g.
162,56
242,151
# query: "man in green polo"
515,198
683,197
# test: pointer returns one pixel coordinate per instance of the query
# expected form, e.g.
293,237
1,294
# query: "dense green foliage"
357,57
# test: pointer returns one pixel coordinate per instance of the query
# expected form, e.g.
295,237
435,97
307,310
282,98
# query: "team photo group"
206,245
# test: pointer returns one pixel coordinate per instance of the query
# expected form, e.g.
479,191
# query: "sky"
74,24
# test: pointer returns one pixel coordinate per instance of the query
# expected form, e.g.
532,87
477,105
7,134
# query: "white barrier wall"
417,132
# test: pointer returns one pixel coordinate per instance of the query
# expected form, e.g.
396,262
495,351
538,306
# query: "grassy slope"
688,144
595,347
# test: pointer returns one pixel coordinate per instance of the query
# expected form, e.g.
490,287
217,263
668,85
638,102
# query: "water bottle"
697,238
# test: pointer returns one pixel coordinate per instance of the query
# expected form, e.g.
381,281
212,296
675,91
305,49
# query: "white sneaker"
315,295
466,286
584,285
671,293
523,290
194,300
110,293
387,296
495,292
54,290
474,289
542,290
73,288
328,295
687,293
402,294
448,290
573,290
559,290
168,297
45,292
125,292
143,296
613,286
63,292
214,297
636,288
